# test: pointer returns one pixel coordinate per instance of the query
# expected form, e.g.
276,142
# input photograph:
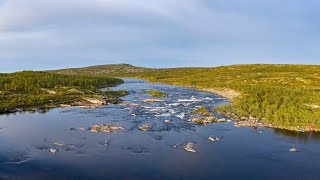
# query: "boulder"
293,149
213,139
189,147
53,150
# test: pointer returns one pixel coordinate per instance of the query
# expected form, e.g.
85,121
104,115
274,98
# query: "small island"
155,93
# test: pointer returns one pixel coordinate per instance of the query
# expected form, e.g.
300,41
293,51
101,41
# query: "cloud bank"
37,34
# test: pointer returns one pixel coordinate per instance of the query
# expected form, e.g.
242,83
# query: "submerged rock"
189,147
106,128
65,105
58,144
129,104
153,100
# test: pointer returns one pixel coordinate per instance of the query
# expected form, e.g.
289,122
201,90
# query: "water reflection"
304,136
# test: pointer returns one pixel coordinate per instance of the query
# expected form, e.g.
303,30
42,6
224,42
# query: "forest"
29,90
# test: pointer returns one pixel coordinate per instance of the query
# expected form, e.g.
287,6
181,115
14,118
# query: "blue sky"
37,34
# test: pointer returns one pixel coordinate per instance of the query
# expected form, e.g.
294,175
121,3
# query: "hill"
283,96
105,70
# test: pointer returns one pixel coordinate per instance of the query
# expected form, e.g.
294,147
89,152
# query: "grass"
155,93
202,111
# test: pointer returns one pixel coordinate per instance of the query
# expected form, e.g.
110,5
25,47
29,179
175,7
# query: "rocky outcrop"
106,128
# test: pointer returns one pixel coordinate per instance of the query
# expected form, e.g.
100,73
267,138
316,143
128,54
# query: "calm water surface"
25,140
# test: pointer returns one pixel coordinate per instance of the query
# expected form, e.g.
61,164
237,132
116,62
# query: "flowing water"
158,153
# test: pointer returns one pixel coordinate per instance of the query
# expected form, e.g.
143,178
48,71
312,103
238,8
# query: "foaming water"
158,152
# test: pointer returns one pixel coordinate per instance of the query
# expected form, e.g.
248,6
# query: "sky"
51,34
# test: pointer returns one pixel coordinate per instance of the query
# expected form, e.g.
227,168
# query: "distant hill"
110,70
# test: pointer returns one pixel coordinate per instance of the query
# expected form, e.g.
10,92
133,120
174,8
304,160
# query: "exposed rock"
75,91
53,150
65,105
106,128
49,91
213,139
95,101
145,127
221,120
314,106
249,123
87,107
293,149
153,100
189,147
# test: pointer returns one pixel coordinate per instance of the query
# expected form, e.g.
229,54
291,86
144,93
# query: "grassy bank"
30,90
285,96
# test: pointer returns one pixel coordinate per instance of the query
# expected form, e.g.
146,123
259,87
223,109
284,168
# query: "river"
158,153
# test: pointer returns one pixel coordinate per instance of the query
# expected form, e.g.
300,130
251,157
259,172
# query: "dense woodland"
284,95
28,89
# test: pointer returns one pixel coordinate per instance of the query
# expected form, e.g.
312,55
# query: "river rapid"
157,153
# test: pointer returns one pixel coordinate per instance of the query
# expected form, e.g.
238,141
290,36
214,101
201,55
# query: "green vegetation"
202,111
284,95
155,93
28,90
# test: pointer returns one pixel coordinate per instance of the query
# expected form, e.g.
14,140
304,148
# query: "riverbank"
242,121
40,91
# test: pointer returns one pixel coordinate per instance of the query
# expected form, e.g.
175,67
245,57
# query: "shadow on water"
305,136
